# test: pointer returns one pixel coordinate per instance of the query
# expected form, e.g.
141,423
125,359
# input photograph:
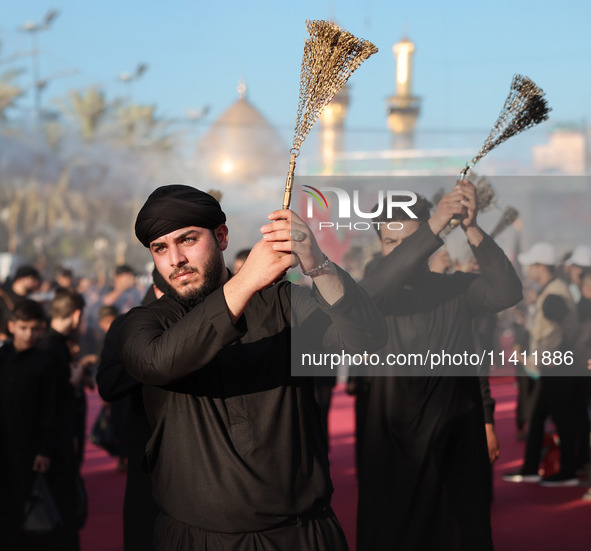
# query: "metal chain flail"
524,107
507,218
331,55
485,193
485,198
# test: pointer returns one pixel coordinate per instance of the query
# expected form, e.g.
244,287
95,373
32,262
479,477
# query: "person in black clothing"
64,277
120,408
424,480
26,280
583,355
239,259
527,387
237,454
66,311
582,349
28,401
115,384
359,388
553,331
323,387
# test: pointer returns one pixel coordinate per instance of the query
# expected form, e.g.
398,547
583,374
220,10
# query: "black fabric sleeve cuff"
219,315
194,339
357,324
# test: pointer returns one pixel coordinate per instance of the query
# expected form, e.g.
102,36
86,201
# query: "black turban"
173,207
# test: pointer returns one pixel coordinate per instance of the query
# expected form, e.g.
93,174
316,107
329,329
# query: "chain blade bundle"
485,198
331,55
507,218
485,193
524,108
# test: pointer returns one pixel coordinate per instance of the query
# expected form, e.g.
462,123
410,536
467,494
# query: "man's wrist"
437,225
474,235
319,269
237,297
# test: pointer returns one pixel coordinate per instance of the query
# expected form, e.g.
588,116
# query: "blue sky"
466,54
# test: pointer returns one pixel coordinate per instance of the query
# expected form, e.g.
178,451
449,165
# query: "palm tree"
88,109
9,92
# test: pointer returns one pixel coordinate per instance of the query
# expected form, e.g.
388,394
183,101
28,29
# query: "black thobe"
582,349
62,477
28,402
424,481
114,383
237,454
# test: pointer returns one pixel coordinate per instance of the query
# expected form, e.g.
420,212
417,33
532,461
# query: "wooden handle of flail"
455,221
289,181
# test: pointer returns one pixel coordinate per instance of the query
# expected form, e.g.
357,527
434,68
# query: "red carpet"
105,488
524,516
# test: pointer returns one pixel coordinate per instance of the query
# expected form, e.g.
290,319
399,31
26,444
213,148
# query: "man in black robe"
66,309
114,384
28,404
424,481
26,281
237,454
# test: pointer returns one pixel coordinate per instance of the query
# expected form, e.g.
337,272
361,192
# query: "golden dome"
242,146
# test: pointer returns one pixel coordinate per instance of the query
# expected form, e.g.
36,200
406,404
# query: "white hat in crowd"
581,256
540,253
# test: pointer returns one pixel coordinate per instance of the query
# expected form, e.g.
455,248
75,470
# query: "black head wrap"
173,207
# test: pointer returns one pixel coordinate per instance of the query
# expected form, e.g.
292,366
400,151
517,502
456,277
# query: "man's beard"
212,272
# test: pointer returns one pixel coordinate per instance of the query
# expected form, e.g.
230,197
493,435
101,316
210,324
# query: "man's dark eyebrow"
187,234
179,238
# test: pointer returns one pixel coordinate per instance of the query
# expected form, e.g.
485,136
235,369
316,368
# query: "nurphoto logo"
394,199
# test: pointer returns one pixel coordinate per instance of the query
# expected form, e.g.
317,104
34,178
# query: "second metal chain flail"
485,197
507,218
331,55
524,107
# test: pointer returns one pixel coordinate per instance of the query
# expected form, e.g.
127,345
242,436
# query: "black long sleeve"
390,273
161,351
113,382
498,286
488,402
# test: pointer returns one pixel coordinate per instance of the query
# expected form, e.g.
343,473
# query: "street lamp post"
33,28
128,78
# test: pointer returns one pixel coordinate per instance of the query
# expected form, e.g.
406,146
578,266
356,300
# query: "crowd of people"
51,334
224,448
